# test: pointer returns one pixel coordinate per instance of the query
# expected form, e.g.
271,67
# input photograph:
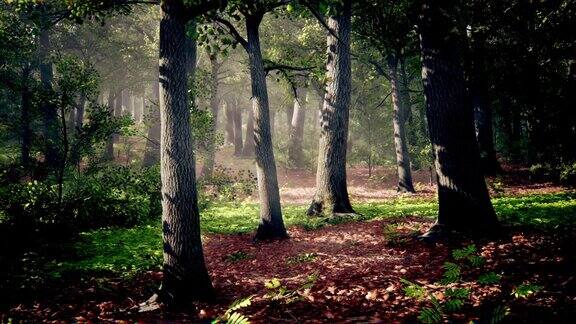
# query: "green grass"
127,251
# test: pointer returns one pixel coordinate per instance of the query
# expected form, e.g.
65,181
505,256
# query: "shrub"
225,185
543,172
568,174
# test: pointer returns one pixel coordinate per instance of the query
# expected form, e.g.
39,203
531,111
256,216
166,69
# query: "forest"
287,161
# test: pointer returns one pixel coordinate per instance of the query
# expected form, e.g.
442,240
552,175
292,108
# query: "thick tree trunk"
399,124
152,153
272,122
229,111
208,166
249,147
109,153
295,146
482,109
49,110
238,146
331,195
271,223
25,118
185,276
464,202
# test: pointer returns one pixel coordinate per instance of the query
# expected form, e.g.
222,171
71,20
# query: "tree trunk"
185,276
464,202
482,109
248,149
208,166
238,146
399,123
331,195
272,122
152,153
229,111
109,153
80,109
271,223
49,110
25,118
295,147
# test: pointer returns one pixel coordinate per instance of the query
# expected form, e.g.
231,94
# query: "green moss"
127,251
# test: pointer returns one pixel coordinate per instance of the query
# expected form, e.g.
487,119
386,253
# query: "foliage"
526,289
237,256
232,314
301,258
226,185
280,293
568,174
548,210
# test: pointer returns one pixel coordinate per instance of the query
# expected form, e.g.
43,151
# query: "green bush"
543,172
107,196
568,174
225,185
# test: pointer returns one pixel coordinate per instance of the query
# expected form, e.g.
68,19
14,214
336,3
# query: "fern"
460,293
413,290
272,283
488,278
237,318
464,253
452,273
476,260
453,305
525,290
429,315
499,313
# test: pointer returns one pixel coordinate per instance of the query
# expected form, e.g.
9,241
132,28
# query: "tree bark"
295,147
271,223
80,109
109,153
152,153
185,276
25,118
238,146
249,147
482,109
229,111
49,110
463,198
208,166
399,123
331,195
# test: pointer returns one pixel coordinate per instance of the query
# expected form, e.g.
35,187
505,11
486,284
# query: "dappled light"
287,161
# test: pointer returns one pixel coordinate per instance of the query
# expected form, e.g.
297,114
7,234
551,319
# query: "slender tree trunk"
464,202
49,110
229,111
208,166
271,223
331,195
289,114
80,109
109,153
249,147
295,147
238,146
152,153
185,276
399,123
25,118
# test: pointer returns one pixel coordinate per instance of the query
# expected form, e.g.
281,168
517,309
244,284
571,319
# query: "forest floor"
330,270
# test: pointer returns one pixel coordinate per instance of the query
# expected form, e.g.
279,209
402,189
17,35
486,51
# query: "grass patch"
128,251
